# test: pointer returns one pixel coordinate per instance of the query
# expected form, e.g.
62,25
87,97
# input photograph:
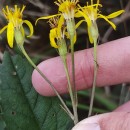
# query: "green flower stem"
73,75
73,70
94,80
70,91
51,85
71,30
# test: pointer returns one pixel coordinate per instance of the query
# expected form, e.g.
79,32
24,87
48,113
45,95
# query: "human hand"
114,68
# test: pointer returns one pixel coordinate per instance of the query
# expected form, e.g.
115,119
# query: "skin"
114,68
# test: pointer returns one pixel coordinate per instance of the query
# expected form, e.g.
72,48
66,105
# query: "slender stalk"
68,79
94,80
73,76
70,91
51,85
71,30
124,22
73,68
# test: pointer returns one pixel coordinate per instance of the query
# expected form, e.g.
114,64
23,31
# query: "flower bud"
19,37
94,31
71,27
62,48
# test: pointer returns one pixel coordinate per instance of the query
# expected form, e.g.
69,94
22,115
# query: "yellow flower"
58,31
57,36
15,21
91,13
67,8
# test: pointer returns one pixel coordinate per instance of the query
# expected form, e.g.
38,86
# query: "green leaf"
2,124
22,108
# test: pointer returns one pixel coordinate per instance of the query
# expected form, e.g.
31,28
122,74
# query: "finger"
113,61
118,120
125,107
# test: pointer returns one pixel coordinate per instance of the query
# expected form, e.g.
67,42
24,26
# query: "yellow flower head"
67,8
91,13
57,32
15,21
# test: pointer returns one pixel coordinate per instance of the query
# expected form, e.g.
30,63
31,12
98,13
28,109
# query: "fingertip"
86,126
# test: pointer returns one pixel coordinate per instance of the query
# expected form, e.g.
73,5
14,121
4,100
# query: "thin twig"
43,7
124,22
94,79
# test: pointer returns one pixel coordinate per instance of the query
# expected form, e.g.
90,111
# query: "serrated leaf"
22,107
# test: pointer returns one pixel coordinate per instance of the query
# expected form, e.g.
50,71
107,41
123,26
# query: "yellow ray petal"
91,6
7,8
97,6
52,36
30,27
86,18
75,38
60,24
2,30
90,36
46,17
105,18
22,31
77,15
91,2
10,34
78,24
15,8
23,9
115,14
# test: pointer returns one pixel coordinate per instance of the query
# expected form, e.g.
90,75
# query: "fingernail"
87,126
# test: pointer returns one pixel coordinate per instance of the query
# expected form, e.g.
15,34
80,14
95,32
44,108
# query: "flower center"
14,15
67,7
